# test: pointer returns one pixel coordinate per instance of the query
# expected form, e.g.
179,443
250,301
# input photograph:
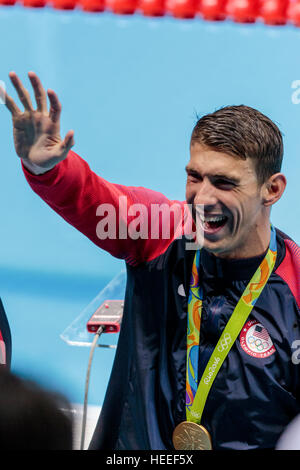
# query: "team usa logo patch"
255,340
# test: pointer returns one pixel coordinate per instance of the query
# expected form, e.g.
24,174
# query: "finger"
68,141
21,90
9,102
39,92
55,106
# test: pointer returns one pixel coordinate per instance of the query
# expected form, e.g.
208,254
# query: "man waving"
204,358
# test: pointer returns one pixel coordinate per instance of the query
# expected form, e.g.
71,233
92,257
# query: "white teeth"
216,218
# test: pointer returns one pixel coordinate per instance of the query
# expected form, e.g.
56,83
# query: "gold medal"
191,436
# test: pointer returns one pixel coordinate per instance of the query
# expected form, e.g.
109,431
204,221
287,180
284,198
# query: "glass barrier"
76,334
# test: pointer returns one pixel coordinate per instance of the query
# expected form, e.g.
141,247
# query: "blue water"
131,88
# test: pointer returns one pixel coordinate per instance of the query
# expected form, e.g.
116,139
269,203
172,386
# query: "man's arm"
130,223
122,220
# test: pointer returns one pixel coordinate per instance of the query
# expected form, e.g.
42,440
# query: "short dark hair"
243,132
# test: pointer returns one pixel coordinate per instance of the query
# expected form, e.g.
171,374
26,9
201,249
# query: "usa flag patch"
255,340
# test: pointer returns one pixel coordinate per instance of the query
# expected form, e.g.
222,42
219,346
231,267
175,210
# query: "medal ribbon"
196,395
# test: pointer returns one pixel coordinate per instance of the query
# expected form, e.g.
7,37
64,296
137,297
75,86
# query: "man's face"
226,200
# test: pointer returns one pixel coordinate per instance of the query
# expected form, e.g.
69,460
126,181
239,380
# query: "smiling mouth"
212,223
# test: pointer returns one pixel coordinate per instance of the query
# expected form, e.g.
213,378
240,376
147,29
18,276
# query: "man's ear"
273,189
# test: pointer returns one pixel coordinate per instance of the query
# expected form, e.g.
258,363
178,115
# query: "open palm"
37,131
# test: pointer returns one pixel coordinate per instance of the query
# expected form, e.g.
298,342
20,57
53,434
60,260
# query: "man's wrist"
34,169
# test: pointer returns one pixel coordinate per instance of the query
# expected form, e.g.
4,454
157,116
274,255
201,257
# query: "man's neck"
257,243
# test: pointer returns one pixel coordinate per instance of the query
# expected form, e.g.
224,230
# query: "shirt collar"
229,269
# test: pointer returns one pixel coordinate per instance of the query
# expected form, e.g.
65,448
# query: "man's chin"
218,248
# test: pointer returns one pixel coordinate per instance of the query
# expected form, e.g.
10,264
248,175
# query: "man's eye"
192,179
225,184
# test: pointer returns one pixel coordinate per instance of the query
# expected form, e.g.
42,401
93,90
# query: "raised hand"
37,131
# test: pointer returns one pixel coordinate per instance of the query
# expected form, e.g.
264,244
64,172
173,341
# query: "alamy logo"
296,94
154,221
296,353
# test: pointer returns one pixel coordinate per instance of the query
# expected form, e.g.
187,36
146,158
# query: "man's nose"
205,195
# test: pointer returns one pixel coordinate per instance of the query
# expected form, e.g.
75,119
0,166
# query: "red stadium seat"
274,12
182,8
213,10
64,4
243,11
34,3
7,2
152,7
293,13
92,5
123,7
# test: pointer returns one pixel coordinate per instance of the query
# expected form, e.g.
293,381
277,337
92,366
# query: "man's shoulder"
292,251
285,237
289,268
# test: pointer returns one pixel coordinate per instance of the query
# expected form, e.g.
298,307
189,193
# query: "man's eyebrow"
230,178
189,169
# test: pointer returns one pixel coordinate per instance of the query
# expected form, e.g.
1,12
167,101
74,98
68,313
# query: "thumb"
68,142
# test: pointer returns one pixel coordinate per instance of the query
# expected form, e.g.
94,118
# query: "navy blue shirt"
257,390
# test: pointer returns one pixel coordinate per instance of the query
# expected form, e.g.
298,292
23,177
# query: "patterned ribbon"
197,392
